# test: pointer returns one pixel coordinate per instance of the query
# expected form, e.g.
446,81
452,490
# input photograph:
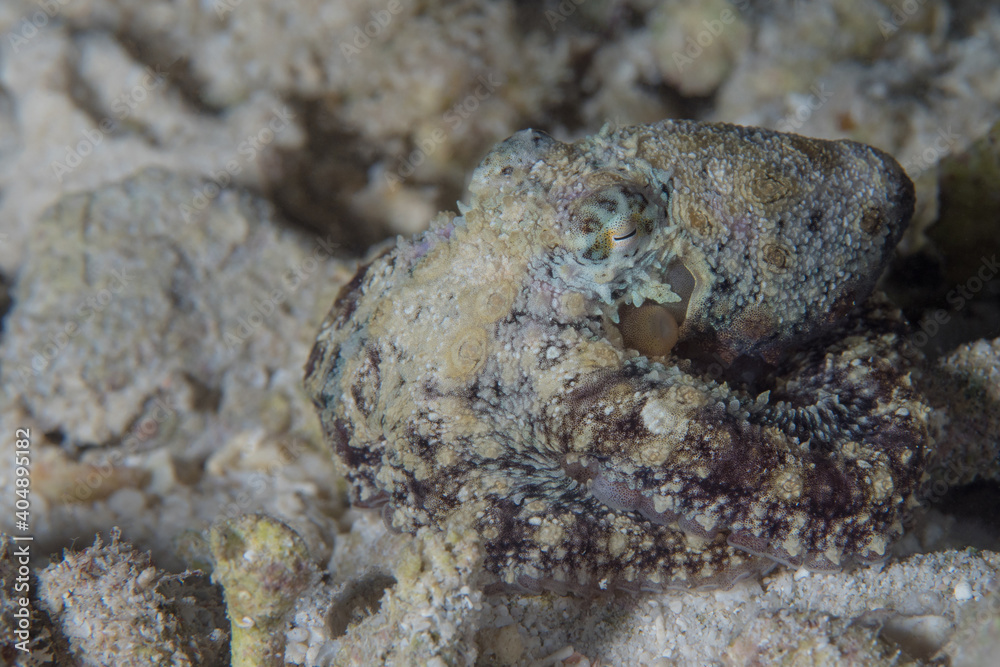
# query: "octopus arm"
814,471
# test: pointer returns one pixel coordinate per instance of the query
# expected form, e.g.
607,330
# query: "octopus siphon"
652,358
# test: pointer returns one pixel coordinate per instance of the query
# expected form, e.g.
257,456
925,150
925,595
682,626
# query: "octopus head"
507,168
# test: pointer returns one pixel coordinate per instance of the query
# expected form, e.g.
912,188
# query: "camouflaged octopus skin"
646,359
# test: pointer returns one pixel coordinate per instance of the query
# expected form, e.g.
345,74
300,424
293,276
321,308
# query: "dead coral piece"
138,299
264,566
191,354
116,608
431,615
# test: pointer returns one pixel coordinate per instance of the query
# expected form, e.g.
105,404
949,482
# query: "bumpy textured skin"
476,372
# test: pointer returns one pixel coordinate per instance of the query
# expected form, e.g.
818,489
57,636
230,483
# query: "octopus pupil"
627,236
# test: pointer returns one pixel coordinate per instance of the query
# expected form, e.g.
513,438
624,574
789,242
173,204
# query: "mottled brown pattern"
481,376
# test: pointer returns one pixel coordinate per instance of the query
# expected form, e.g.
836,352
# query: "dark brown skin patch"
347,299
699,221
770,188
872,221
776,255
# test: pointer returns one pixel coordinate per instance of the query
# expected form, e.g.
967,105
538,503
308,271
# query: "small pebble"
963,591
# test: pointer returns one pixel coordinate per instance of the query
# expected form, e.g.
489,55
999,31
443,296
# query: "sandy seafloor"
184,186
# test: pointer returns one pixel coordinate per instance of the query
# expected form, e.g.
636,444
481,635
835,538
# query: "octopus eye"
614,222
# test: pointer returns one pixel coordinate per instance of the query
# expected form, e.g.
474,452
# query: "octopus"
652,358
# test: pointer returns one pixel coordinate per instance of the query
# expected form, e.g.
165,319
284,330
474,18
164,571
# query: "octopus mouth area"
654,331
657,331
623,497
652,328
